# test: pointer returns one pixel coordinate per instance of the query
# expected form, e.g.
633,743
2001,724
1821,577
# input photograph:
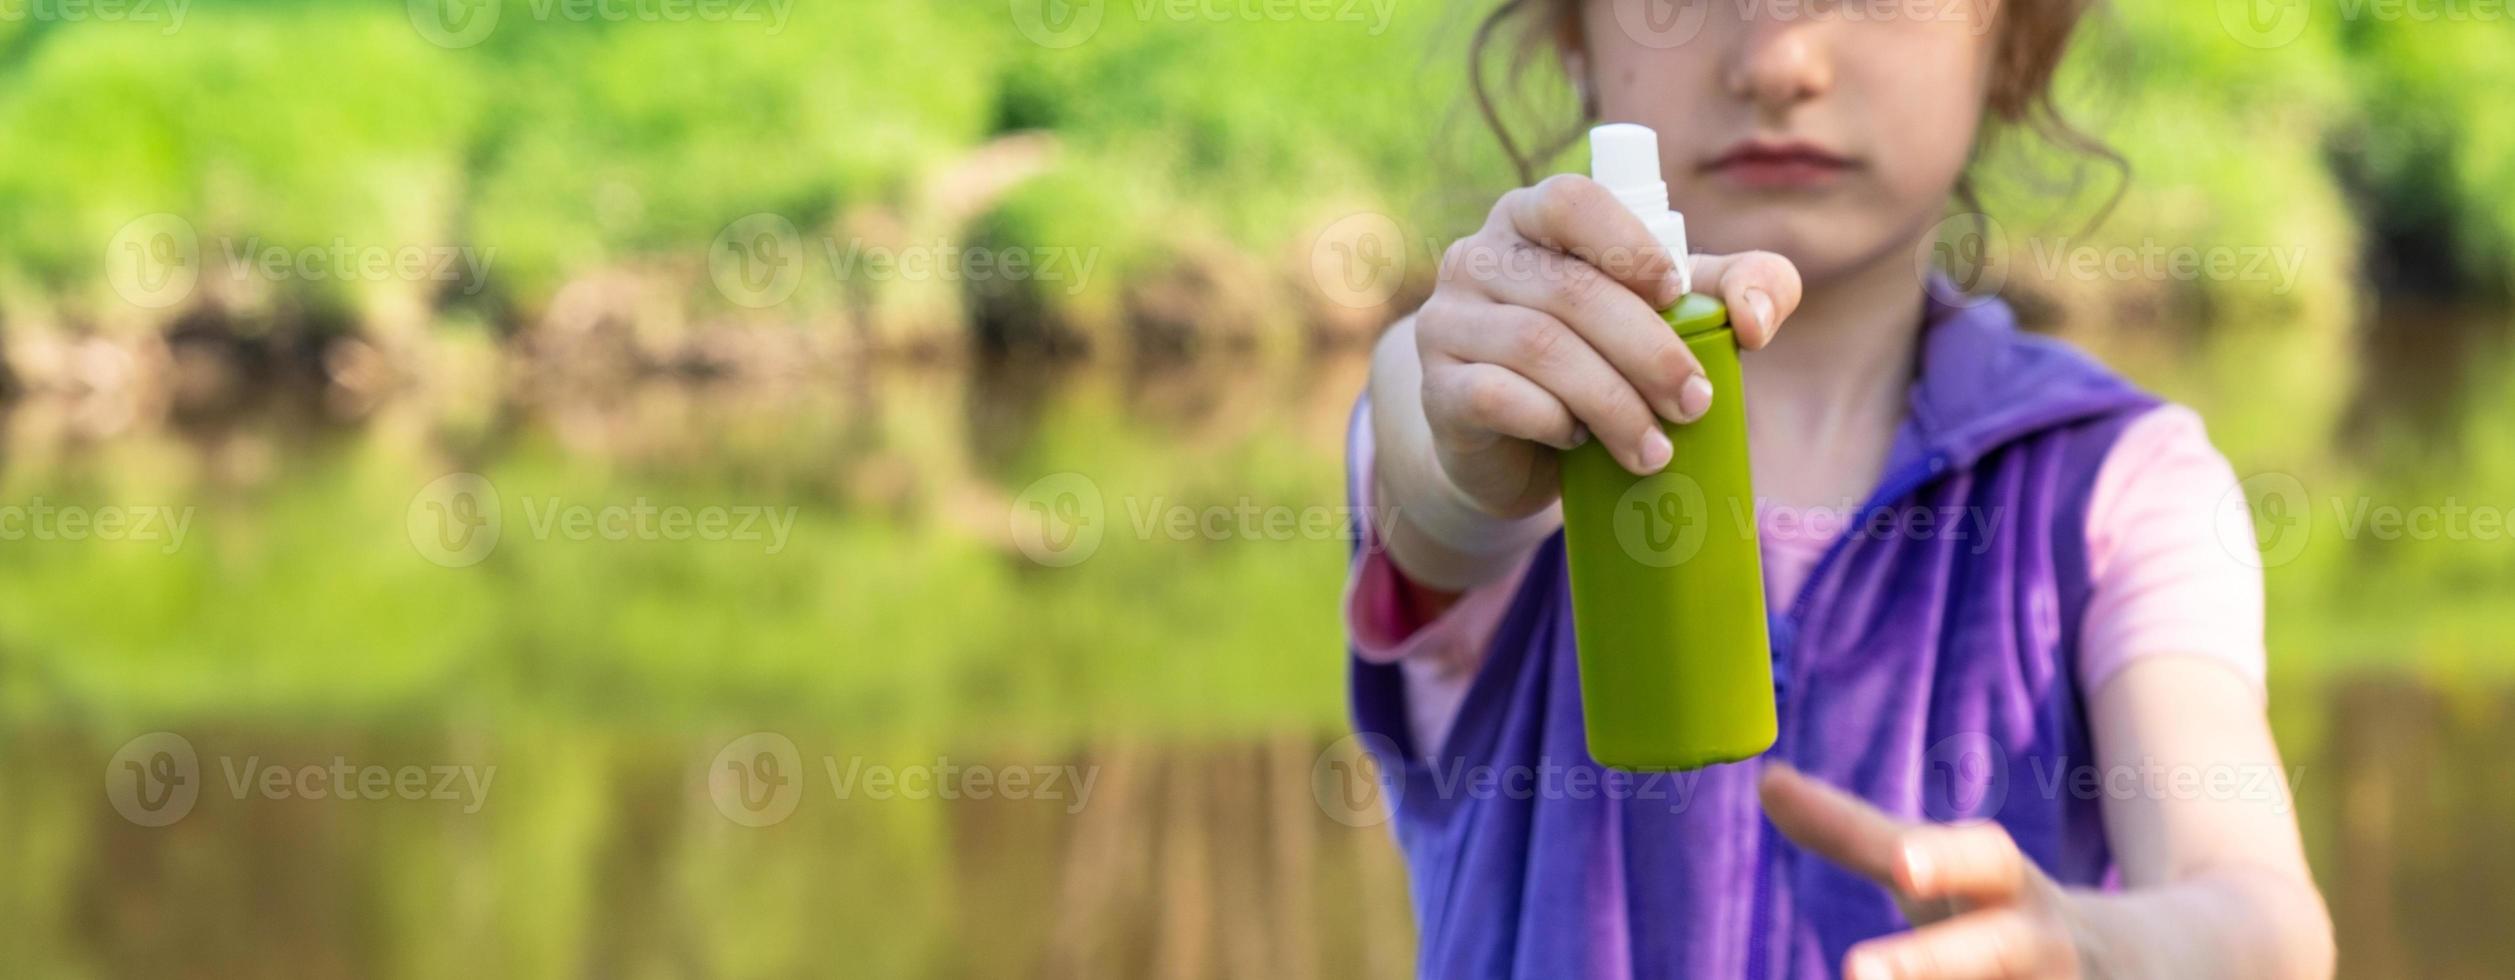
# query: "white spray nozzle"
1624,158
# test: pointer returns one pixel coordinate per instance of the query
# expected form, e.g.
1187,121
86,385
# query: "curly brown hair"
2033,36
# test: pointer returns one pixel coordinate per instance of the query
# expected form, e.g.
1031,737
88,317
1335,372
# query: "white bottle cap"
1624,158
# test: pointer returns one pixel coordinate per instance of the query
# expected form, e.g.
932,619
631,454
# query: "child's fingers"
1761,290
1995,944
1618,324
1544,350
1976,863
1835,825
1576,215
1496,399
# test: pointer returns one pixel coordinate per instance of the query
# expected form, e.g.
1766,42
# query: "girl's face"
1830,131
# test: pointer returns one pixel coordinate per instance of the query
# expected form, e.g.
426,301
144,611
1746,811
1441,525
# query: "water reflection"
1198,681
2406,803
612,853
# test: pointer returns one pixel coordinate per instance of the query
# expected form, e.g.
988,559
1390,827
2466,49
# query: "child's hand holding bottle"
1542,333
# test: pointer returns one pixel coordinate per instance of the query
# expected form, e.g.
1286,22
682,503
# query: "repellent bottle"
1666,576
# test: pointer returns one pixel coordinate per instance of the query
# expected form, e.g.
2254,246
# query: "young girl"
2028,741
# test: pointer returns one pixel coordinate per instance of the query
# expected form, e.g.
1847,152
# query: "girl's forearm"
2229,922
1442,543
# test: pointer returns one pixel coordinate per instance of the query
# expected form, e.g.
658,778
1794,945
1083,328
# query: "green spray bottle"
1667,578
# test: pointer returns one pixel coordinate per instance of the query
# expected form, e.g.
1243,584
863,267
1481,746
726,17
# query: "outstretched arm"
2200,818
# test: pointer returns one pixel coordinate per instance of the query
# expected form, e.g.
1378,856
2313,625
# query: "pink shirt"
2162,580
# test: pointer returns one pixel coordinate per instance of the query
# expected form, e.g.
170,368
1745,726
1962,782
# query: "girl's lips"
1767,165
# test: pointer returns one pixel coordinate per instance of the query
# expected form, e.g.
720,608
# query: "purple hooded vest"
1924,665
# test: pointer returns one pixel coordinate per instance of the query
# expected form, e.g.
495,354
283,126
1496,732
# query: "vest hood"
1985,383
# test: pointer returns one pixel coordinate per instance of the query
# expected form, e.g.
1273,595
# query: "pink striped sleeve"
1439,657
2170,563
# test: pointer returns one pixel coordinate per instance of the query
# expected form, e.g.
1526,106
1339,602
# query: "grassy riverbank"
583,169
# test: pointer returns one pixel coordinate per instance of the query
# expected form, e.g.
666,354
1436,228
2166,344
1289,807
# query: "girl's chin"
1825,243
1818,257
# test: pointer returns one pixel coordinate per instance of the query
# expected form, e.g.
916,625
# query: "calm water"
907,737
615,853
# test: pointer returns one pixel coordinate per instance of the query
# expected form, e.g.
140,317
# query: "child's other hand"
1543,332
1979,908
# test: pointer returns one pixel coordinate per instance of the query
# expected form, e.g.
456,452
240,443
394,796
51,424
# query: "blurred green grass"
574,147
